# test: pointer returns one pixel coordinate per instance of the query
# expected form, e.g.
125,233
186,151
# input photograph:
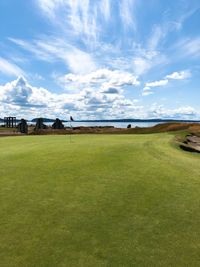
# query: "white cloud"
157,83
9,68
145,59
192,47
182,75
49,6
183,112
80,19
81,16
157,35
53,49
104,79
88,19
188,47
187,110
87,24
126,12
34,48
23,100
80,62
106,9
147,91
19,98
141,65
185,15
20,93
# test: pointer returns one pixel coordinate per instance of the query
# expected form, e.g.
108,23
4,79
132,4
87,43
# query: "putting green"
101,200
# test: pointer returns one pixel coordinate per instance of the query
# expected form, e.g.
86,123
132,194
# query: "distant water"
115,124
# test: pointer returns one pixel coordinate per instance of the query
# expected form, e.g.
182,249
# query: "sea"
92,124
114,124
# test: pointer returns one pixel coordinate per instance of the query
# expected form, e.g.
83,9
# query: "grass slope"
102,200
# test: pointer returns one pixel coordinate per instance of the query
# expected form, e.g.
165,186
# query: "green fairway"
101,200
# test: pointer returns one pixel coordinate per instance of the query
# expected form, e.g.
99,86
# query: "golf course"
99,200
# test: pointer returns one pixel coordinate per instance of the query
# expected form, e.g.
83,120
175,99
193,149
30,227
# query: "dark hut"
40,125
58,124
23,127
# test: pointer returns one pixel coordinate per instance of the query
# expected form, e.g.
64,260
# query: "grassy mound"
101,200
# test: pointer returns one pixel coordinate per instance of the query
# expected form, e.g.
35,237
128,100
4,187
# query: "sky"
100,59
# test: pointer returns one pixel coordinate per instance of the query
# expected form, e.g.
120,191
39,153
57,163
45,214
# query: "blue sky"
100,58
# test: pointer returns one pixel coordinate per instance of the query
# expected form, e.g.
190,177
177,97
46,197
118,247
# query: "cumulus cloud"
111,91
147,91
183,112
157,83
104,79
21,99
20,93
179,75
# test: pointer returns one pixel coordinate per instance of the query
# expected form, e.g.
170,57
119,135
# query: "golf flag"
71,119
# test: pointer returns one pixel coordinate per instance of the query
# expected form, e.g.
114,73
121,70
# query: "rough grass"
159,128
102,200
162,127
5,129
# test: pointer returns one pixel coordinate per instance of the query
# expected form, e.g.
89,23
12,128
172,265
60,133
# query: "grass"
102,200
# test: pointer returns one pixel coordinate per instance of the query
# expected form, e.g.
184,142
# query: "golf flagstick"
70,135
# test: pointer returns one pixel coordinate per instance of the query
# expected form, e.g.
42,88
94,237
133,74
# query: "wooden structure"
40,125
10,122
58,124
23,127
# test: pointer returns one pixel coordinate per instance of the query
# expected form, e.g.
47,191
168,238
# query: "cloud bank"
21,99
24,100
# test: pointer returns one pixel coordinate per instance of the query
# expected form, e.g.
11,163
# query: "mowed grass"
102,200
